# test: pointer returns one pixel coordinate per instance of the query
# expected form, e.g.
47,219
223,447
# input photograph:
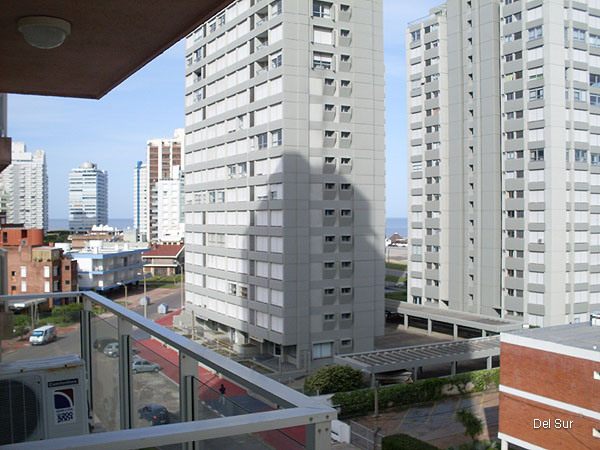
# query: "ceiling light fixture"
44,32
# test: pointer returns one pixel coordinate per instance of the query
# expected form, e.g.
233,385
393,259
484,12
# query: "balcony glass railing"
158,377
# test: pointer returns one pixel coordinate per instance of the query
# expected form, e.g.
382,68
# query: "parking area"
436,422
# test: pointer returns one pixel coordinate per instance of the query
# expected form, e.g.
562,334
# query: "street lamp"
145,296
125,286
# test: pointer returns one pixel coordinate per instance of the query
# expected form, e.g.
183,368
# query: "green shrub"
473,424
333,379
362,401
405,442
21,324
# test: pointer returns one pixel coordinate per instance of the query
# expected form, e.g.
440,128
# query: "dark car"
155,414
101,343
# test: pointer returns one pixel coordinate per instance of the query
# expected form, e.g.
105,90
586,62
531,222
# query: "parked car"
112,350
101,343
141,365
156,414
43,335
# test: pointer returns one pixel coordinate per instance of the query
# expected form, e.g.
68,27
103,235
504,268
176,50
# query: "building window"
594,79
535,33
322,60
47,272
276,138
276,61
46,286
321,9
594,100
346,316
328,291
536,94
262,140
415,35
581,156
323,350
578,35
346,264
23,286
23,271
537,154
328,317
329,265
345,161
579,95
346,290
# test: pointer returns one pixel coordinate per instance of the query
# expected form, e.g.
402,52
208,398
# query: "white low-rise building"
102,268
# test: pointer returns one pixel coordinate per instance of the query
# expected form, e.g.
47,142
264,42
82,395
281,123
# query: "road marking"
431,412
402,421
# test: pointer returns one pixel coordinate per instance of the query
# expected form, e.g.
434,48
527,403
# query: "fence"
364,437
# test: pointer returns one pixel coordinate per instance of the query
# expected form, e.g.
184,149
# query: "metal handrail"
300,409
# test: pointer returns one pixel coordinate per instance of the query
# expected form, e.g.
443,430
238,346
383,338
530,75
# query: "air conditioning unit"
43,399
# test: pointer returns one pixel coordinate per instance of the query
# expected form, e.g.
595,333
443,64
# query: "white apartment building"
504,159
284,161
104,266
88,197
24,188
140,200
161,156
171,226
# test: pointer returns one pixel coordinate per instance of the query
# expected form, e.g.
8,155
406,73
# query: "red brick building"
550,388
34,268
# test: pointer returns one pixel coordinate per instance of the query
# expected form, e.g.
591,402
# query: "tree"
332,379
473,425
21,324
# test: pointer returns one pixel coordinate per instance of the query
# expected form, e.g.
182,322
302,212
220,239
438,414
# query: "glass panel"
155,385
105,373
218,397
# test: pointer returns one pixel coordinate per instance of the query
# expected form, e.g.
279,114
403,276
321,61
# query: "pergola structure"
417,357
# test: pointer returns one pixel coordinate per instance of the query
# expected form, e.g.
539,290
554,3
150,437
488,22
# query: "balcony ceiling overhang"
109,41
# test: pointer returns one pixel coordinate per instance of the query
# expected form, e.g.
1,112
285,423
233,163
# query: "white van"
43,335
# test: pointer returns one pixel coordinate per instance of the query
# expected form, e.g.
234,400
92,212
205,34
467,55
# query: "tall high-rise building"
504,159
171,226
285,176
88,197
24,188
140,200
161,156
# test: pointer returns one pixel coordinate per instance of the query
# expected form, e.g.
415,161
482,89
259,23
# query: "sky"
112,131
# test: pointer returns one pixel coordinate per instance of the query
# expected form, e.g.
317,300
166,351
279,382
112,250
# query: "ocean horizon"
392,225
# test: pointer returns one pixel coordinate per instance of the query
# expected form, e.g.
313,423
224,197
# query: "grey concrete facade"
285,176
517,211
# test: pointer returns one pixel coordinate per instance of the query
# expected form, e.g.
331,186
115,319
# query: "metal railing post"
125,375
188,391
85,335
318,436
